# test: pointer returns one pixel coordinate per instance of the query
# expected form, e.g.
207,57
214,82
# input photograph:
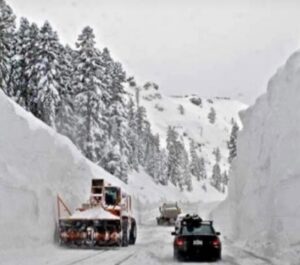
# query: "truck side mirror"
218,233
173,233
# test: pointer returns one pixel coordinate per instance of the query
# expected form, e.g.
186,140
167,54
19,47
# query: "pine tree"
217,154
118,127
28,93
232,142
123,173
212,115
202,167
43,71
142,125
7,27
181,109
176,159
90,97
186,175
132,137
21,55
195,166
162,162
173,163
150,150
216,179
65,117
141,120
216,175
225,178
114,162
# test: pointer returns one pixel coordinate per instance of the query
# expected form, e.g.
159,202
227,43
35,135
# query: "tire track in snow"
268,261
230,260
125,259
79,261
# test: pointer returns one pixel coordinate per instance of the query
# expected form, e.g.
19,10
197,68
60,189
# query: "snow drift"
263,203
36,164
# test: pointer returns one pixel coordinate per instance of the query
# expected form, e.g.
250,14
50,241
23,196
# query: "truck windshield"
111,195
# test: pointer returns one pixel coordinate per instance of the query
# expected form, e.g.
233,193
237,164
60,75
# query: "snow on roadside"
36,164
263,207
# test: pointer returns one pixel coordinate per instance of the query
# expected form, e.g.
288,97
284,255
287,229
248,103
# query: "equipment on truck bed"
105,220
168,214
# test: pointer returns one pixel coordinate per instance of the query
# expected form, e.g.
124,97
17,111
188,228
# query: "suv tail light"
179,242
216,243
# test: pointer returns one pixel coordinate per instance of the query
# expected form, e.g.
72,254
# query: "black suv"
196,239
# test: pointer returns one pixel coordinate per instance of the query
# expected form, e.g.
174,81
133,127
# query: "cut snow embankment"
263,206
36,164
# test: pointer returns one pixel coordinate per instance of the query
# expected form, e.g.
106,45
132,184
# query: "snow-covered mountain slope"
36,164
148,192
263,204
189,115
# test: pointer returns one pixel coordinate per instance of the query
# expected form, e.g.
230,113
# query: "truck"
168,213
106,219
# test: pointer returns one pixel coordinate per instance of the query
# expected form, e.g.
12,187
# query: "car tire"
177,256
218,257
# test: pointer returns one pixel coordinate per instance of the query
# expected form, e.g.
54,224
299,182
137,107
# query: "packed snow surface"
263,206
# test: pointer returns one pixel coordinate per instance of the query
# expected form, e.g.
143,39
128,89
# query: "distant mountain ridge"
189,115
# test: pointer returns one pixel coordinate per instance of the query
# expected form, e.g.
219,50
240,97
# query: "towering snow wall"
36,164
264,193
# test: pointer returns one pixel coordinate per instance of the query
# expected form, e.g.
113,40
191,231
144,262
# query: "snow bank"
36,164
263,204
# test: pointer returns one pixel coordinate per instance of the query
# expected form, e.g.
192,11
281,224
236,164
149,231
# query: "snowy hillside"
263,208
189,115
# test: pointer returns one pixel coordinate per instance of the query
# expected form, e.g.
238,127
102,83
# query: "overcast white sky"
212,48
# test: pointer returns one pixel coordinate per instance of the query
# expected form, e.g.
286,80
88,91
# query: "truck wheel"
125,240
119,243
60,242
133,234
160,221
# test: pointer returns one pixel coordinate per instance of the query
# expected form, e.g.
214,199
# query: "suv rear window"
199,230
